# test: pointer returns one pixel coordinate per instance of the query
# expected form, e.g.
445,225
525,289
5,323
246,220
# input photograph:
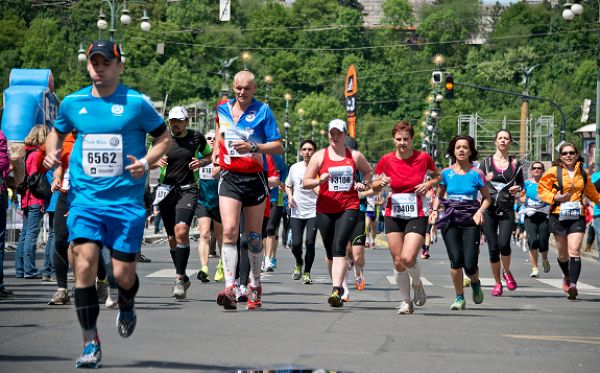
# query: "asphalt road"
533,329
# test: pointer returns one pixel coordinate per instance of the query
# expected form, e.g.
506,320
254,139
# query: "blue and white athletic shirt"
462,187
532,199
109,129
257,124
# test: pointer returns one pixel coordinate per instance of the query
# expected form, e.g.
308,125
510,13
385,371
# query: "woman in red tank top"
333,170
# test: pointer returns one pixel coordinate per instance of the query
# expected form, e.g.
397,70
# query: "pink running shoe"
254,295
566,284
511,284
497,290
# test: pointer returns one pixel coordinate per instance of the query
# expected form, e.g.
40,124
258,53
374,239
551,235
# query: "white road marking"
392,280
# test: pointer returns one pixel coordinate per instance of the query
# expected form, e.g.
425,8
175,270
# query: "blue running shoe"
91,357
274,262
126,321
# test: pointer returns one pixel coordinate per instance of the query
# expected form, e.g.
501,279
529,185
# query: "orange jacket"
548,187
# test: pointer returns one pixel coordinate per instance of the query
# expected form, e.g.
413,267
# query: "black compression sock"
564,267
172,252
574,269
87,309
127,297
101,269
182,255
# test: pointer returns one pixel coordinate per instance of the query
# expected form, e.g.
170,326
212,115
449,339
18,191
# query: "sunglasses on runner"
210,138
568,153
537,168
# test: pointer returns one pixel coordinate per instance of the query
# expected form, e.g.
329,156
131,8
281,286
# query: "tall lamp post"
286,124
322,133
286,128
300,115
114,7
570,11
313,125
246,57
268,81
105,21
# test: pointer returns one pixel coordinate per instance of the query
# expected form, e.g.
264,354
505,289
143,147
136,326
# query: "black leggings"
243,265
274,220
297,226
462,245
61,241
538,231
498,231
336,230
591,236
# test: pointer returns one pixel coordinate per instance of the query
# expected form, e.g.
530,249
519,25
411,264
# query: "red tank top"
338,194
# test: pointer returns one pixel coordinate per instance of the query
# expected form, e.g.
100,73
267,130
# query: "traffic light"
449,86
436,77
585,110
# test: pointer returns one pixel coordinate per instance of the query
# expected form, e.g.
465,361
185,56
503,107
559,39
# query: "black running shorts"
250,189
565,227
397,225
178,207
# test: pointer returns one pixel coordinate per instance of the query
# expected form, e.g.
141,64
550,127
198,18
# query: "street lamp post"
287,97
114,7
246,57
322,133
570,11
313,124
105,21
300,115
268,80
286,128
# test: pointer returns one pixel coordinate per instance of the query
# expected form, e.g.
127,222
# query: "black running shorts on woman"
250,189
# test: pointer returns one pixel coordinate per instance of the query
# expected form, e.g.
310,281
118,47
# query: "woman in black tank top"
504,176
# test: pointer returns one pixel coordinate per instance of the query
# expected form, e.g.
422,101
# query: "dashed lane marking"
392,280
557,338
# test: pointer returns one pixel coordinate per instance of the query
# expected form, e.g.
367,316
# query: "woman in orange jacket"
563,186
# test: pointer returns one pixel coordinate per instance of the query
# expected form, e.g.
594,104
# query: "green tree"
44,47
397,13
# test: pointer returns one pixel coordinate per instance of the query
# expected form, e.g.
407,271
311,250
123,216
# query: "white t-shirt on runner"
306,199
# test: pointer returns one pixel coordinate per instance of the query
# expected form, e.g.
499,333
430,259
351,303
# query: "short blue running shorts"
120,228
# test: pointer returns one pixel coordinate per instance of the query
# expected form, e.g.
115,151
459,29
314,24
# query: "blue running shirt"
257,124
109,129
462,187
532,198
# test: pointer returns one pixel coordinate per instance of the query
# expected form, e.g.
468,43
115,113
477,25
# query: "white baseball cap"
337,124
178,112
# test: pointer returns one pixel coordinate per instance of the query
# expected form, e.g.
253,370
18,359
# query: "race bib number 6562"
102,155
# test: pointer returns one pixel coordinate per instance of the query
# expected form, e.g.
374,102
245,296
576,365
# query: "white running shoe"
179,291
241,293
405,308
346,295
419,294
110,302
534,272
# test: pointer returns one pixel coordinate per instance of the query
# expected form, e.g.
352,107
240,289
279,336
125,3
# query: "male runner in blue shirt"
107,169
